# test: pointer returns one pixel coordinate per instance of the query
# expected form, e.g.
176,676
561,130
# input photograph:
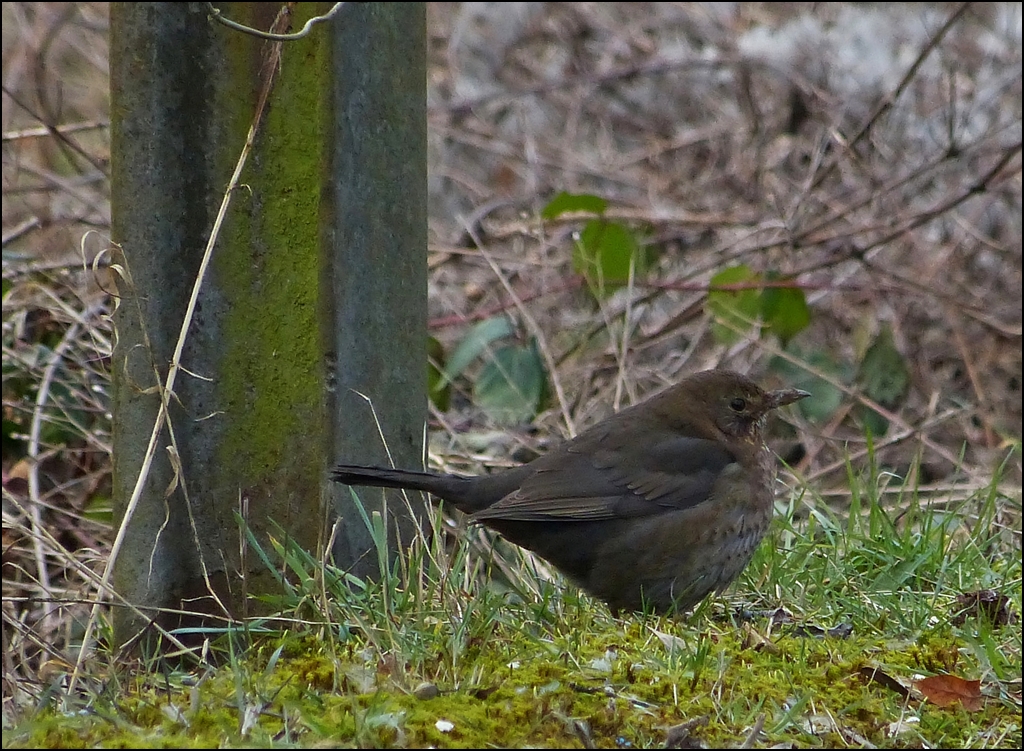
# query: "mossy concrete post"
250,434
376,225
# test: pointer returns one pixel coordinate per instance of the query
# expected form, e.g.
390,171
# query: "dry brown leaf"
753,640
986,603
877,675
944,690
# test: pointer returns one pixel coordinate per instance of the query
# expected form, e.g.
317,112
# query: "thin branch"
890,99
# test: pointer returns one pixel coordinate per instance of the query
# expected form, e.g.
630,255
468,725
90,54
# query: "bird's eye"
738,404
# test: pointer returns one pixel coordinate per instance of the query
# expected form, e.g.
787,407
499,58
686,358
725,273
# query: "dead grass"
872,154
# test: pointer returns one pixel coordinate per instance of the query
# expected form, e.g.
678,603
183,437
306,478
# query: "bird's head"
727,405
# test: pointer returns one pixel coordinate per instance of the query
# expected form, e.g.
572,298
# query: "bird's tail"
382,477
468,494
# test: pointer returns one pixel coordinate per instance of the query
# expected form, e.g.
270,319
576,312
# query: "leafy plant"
734,310
782,309
881,375
510,386
512,383
606,252
884,378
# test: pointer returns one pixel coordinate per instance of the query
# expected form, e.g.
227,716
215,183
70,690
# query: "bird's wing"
598,479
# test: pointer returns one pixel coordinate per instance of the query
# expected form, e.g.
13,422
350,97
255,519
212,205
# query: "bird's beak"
782,397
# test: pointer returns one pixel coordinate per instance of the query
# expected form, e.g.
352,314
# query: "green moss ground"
529,687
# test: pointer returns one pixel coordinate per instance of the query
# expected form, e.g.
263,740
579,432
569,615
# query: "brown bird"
655,507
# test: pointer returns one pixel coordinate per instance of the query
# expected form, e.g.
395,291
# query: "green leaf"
884,377
437,385
871,422
566,203
784,310
510,386
604,254
476,342
734,311
883,374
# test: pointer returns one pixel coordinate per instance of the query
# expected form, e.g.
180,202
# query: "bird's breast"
677,558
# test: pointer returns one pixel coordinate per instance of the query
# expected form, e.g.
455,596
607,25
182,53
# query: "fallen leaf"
681,736
842,631
753,640
986,604
780,616
944,690
483,692
877,675
670,641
